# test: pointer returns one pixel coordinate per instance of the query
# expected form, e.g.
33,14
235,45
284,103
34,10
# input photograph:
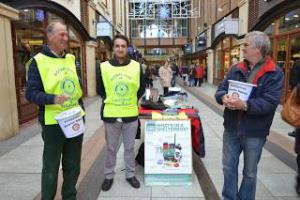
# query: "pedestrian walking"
149,75
199,73
165,74
191,76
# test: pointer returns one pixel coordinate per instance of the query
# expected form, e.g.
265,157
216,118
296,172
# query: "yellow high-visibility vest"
121,86
59,77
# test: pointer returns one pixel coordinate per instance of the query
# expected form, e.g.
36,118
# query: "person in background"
121,84
199,73
295,83
53,84
184,73
149,75
165,74
247,123
297,147
234,61
192,75
144,66
294,80
174,74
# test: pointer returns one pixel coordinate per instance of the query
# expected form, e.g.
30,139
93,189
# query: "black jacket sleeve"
35,92
142,84
99,81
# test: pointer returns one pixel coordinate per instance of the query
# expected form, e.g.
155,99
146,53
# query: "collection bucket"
71,122
240,89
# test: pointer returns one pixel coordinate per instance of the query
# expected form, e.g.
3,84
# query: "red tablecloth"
197,130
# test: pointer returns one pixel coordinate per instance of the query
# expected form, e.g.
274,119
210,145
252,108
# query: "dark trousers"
198,81
166,90
57,147
297,150
149,83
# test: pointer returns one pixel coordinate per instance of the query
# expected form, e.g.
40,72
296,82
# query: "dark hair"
122,37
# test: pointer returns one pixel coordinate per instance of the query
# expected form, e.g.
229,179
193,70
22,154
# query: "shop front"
28,36
199,55
104,35
226,53
226,47
282,23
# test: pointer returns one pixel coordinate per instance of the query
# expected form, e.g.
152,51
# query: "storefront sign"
231,26
168,152
201,41
188,48
219,28
227,26
104,29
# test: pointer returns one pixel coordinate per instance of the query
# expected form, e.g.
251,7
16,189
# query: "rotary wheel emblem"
68,86
121,89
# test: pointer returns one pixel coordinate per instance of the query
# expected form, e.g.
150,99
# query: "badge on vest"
68,86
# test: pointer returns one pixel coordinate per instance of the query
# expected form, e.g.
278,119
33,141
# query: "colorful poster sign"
168,148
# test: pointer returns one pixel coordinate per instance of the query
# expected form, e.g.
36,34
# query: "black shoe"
133,182
292,134
107,183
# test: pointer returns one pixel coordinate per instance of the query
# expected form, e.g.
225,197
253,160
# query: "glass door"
293,65
28,43
281,58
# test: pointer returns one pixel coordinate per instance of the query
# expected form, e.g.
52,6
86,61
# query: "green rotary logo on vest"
68,86
121,89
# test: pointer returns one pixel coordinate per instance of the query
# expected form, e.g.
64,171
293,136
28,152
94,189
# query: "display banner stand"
168,152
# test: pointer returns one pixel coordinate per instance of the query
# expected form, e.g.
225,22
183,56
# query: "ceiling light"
296,15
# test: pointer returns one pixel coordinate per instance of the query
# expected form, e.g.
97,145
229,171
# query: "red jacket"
199,72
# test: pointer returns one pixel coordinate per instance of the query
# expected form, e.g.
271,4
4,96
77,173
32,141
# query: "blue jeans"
233,145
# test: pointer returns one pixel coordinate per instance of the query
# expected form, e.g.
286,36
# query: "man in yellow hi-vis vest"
121,84
53,84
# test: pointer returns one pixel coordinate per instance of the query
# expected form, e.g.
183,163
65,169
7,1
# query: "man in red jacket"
199,72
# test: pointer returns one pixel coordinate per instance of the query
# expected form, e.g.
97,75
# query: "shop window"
235,50
294,60
33,17
235,53
290,21
226,43
281,53
28,43
218,60
227,61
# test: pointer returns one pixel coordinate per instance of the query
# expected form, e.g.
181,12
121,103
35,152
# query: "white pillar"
8,102
90,68
210,58
210,65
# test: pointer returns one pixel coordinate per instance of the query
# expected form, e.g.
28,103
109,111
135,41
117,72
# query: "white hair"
260,40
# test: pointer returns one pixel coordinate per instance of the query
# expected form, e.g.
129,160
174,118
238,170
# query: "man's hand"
226,100
60,99
236,104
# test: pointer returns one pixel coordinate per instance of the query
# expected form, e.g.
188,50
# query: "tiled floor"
20,167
